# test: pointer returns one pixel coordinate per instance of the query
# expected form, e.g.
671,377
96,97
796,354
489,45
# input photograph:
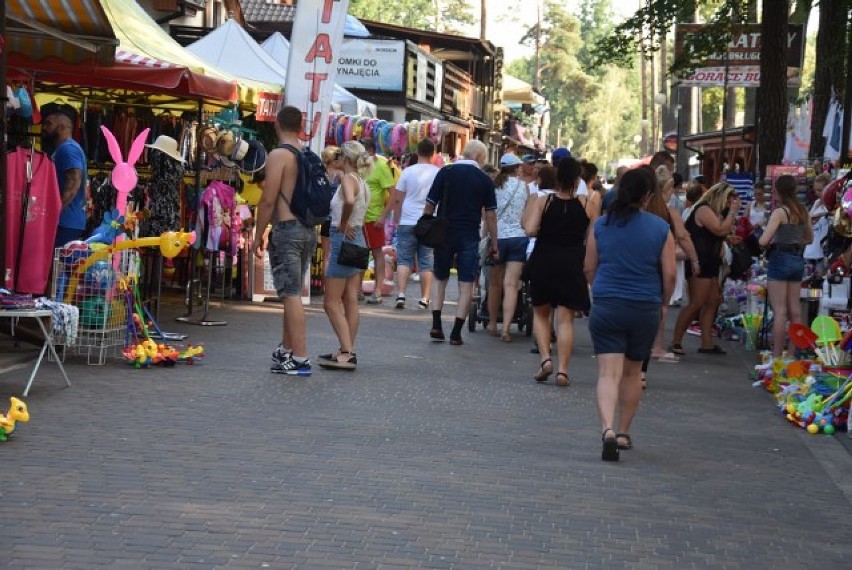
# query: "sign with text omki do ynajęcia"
312,71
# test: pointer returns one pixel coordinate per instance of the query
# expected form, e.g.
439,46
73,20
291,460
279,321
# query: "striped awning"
125,56
73,31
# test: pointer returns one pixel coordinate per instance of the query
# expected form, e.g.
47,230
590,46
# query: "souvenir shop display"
163,198
96,278
17,412
394,139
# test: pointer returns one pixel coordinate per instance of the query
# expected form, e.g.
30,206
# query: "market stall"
153,92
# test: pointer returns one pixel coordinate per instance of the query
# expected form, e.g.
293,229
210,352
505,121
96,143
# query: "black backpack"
311,201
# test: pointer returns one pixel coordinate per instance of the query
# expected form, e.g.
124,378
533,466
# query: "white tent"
278,48
230,48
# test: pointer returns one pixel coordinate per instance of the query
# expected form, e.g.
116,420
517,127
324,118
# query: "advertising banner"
742,55
312,71
371,64
267,107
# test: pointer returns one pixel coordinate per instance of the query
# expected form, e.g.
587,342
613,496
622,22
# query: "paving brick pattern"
428,456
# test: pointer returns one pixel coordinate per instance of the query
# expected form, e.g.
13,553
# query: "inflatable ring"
332,127
413,127
384,137
350,127
433,131
424,131
371,127
340,133
399,140
361,127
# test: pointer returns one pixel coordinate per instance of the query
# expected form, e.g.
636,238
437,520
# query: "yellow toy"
17,413
191,354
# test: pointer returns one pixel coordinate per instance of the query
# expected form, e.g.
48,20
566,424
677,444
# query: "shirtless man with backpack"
292,240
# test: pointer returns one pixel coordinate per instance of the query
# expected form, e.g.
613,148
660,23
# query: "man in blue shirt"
461,191
70,162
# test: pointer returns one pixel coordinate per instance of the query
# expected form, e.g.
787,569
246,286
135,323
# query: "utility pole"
644,72
483,21
537,81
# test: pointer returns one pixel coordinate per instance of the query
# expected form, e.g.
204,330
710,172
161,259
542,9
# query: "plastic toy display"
17,413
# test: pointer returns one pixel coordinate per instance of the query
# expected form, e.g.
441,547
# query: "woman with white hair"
342,282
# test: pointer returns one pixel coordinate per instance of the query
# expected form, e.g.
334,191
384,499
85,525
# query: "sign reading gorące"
743,57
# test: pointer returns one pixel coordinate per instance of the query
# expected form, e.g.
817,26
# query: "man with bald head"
70,162
460,193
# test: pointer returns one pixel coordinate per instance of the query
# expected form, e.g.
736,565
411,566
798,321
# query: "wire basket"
95,283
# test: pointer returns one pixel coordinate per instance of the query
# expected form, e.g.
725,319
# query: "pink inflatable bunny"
124,174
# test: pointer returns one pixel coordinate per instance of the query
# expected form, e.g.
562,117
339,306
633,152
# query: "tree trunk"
772,93
750,92
483,22
829,73
686,100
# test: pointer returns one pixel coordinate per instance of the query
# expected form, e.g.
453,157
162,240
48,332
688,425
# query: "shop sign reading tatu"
268,105
312,70
371,64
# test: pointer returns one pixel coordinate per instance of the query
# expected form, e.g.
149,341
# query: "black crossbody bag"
432,231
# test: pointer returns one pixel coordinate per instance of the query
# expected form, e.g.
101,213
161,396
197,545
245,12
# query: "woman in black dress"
560,223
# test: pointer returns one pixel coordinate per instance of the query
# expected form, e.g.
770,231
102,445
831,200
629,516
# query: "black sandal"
544,370
715,350
560,381
628,445
677,348
610,446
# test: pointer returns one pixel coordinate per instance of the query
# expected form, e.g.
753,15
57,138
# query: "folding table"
38,315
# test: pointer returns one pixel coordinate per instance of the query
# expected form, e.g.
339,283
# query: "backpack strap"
297,154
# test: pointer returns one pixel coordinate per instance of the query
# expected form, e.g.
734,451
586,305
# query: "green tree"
596,23
563,82
611,118
599,112
447,16
656,17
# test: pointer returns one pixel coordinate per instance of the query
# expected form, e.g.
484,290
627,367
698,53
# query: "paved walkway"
429,455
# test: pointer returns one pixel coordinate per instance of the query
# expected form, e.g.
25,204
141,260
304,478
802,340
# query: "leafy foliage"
645,30
595,107
452,15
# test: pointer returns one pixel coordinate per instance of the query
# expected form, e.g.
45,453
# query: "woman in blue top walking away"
630,262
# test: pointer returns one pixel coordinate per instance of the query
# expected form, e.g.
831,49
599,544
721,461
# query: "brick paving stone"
427,456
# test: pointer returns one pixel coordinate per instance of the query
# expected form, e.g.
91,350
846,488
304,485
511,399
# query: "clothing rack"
194,282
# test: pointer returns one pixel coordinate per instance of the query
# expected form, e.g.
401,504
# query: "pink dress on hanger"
42,218
219,201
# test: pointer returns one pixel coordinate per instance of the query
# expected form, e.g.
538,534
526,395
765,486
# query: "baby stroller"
523,317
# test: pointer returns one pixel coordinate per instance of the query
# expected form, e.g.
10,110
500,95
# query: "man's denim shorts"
291,247
409,250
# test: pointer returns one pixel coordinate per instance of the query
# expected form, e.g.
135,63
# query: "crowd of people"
621,256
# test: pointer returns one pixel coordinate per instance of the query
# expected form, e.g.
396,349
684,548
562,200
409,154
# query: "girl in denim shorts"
788,231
